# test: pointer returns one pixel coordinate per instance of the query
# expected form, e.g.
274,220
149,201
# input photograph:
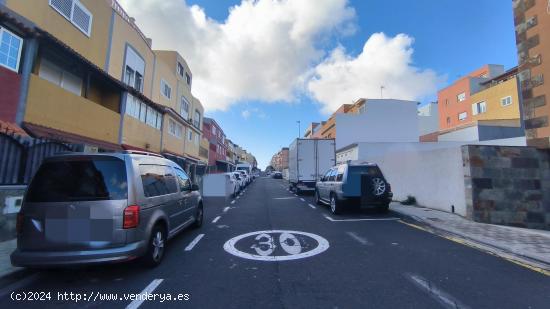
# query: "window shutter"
474,109
64,7
82,18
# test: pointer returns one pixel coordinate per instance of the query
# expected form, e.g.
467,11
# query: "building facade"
532,21
217,153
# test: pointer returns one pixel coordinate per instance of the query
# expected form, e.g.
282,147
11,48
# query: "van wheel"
199,217
317,198
335,205
157,243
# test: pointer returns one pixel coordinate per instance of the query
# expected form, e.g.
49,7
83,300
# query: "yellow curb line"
472,245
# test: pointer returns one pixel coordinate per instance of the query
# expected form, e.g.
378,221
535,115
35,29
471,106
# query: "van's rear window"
373,171
82,179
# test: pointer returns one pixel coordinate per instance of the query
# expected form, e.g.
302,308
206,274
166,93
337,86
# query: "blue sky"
450,37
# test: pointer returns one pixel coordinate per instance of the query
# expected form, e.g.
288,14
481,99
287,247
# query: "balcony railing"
130,20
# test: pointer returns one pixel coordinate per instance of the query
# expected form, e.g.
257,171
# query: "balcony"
51,106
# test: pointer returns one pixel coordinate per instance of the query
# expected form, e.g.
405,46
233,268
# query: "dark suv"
355,184
111,207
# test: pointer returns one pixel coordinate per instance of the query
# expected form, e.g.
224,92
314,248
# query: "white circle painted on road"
276,245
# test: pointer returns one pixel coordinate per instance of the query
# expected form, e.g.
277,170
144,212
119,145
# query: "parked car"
358,184
278,175
247,178
240,180
110,207
235,183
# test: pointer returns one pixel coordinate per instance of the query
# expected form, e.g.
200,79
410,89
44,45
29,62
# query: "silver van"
111,207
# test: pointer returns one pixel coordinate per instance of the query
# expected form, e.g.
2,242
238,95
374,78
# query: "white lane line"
233,202
360,239
355,220
442,297
295,194
311,206
148,290
216,219
301,199
283,198
226,209
194,242
238,197
18,284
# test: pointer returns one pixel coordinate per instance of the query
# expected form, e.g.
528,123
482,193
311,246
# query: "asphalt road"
368,261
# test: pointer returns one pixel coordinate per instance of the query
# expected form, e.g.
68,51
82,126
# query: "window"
506,101
76,13
175,128
190,135
184,108
197,120
139,110
197,139
479,108
213,130
60,77
157,180
332,175
448,121
461,97
180,70
446,102
462,116
133,69
10,49
165,89
183,180
81,180
188,79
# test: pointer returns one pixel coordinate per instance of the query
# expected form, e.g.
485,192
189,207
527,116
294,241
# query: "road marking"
442,297
226,209
301,199
311,206
233,202
283,198
355,220
238,197
263,245
216,219
148,290
19,284
473,245
360,239
194,242
295,194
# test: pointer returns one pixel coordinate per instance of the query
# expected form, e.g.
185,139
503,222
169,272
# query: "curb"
524,260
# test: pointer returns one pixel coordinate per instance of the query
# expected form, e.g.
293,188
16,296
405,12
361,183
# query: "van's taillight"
19,223
131,217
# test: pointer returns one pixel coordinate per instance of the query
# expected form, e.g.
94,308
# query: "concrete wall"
428,119
508,185
383,121
469,134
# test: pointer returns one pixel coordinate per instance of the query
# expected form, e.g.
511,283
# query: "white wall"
385,120
469,134
428,119
431,172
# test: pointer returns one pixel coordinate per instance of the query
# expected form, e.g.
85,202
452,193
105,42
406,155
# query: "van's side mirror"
194,187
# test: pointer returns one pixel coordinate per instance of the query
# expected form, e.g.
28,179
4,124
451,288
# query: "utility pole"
299,129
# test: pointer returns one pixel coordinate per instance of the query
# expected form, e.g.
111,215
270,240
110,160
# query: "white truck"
308,160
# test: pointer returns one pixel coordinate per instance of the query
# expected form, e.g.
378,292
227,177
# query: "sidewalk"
519,242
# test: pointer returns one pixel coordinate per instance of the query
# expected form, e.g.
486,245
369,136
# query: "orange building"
454,102
532,21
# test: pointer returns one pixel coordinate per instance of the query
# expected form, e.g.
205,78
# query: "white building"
379,120
428,118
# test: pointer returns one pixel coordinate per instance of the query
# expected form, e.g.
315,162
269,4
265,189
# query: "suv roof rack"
145,153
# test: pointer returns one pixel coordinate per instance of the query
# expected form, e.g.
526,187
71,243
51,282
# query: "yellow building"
498,99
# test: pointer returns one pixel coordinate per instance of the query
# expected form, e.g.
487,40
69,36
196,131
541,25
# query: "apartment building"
279,161
532,21
494,111
455,100
217,152
67,53
311,129
328,128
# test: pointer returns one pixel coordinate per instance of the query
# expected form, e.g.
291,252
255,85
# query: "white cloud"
260,52
246,113
384,61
